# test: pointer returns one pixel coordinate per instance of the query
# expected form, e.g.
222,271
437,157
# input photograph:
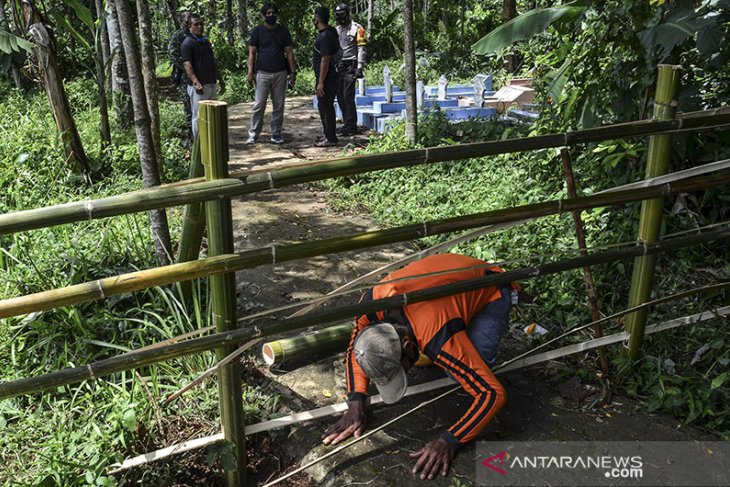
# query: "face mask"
271,19
342,20
315,24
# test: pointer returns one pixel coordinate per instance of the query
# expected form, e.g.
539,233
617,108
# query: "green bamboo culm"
657,164
191,191
328,340
152,355
213,130
161,276
193,225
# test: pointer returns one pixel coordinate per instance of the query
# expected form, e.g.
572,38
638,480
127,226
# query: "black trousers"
346,94
326,105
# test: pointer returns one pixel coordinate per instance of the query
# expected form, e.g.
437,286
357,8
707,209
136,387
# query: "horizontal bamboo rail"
148,356
160,276
181,193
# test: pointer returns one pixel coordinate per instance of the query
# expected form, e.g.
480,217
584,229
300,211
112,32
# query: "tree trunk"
229,22
104,40
370,17
121,98
462,19
4,24
45,55
101,78
509,12
173,7
150,169
410,74
212,14
150,74
242,16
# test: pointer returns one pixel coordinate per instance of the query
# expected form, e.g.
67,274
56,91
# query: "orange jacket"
439,327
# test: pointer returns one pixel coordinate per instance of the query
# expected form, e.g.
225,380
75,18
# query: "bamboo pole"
587,275
213,128
657,164
193,225
142,358
160,276
181,194
294,348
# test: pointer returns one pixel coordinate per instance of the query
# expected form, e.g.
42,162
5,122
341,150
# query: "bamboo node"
92,376
273,254
101,289
271,180
405,299
89,207
426,156
425,229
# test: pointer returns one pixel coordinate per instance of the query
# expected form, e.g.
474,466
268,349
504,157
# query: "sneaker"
251,140
276,139
325,143
346,132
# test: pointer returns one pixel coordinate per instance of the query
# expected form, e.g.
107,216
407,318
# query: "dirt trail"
539,408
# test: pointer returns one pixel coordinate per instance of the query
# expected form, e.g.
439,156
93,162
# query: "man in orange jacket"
460,333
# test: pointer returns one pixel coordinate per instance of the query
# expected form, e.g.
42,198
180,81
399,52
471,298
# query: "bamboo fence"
150,356
160,276
184,194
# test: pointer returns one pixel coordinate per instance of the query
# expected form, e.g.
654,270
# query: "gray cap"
378,351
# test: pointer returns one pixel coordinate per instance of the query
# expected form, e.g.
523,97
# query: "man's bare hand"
434,458
352,423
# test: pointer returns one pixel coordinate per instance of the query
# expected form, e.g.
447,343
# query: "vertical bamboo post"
657,164
213,128
193,225
587,275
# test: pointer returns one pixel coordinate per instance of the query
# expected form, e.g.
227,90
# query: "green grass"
68,436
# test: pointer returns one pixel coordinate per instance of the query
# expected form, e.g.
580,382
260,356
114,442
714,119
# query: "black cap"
342,8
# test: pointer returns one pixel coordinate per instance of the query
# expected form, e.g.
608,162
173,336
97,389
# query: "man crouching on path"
460,333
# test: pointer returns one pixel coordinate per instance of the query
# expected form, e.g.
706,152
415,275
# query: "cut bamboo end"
271,352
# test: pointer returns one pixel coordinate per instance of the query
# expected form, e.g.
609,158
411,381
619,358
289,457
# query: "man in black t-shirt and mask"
270,63
326,50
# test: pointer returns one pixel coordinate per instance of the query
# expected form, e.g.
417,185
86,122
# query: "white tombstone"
443,85
361,86
388,85
419,95
479,83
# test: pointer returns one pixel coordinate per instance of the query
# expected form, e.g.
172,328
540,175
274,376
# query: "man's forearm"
190,72
290,59
324,67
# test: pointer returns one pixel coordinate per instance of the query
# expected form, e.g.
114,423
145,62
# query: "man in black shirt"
274,46
326,49
196,54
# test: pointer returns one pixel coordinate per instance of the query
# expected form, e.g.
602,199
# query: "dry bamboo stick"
134,360
134,281
329,410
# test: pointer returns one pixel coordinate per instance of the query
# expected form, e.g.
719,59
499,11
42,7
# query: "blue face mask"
271,19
